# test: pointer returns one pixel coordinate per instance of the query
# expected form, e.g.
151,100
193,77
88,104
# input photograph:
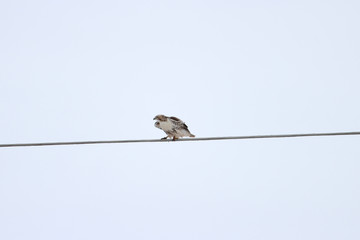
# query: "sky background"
101,70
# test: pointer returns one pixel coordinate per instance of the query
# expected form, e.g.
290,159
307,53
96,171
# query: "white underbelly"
166,126
183,133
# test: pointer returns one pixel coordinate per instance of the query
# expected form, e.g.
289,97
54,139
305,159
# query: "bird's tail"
192,135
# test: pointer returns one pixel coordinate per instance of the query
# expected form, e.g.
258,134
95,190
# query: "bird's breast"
166,125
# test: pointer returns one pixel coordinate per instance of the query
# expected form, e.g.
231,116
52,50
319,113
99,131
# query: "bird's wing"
175,119
178,124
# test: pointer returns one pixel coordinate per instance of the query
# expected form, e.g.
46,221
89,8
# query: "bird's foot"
174,138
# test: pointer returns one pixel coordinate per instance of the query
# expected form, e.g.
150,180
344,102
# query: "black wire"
179,140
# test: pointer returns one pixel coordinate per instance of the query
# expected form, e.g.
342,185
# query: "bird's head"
157,124
160,117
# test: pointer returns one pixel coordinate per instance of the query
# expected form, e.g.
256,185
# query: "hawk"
173,127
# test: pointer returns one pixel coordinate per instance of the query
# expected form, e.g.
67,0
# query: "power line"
180,140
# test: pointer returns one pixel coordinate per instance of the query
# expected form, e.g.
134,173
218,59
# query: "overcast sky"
101,70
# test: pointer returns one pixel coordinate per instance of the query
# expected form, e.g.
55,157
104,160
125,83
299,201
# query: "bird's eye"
157,123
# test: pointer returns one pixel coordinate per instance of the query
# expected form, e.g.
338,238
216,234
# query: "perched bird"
173,127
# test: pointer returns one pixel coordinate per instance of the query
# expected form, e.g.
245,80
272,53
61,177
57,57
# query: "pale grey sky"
101,70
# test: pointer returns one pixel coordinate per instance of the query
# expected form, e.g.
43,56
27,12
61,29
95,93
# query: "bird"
172,126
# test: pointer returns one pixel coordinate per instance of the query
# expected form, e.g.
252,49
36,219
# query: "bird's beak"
154,118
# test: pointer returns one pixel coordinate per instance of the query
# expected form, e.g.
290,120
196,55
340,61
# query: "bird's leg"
164,138
174,138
